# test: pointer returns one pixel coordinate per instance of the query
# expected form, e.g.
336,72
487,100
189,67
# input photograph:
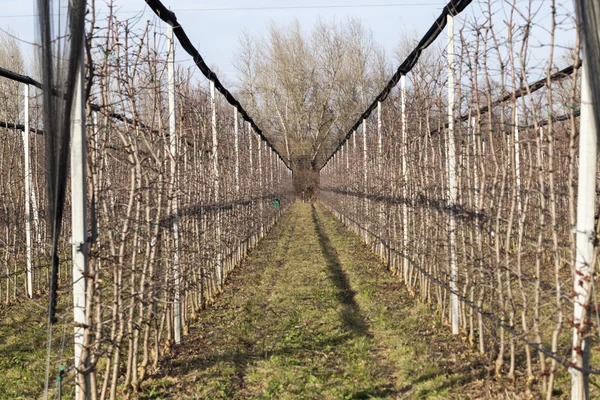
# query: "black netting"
60,35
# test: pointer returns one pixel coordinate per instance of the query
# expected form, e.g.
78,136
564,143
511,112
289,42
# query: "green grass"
312,314
23,346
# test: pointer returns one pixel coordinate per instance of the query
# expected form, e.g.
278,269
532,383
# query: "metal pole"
585,237
28,205
453,190
79,232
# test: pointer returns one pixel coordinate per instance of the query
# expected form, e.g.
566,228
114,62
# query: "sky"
215,26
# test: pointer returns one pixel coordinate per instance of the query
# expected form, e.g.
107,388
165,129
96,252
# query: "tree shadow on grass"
351,315
247,346
208,362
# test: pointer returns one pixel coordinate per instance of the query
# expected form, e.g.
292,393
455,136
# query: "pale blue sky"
214,26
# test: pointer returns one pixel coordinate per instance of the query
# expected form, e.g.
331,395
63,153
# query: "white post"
542,142
365,178
250,147
237,152
357,188
518,162
379,140
27,171
476,189
174,203
260,184
215,154
404,180
271,189
585,236
96,158
236,131
453,190
252,184
380,178
79,232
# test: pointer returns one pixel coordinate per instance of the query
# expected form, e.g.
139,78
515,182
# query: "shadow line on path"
351,314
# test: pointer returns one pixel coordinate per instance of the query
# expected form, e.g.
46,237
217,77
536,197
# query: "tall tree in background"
306,89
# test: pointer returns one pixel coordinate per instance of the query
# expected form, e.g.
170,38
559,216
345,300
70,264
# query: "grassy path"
313,315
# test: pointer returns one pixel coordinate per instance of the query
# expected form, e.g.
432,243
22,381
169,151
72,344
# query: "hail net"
60,34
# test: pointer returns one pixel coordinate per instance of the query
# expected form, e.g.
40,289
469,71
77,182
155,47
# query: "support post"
453,190
28,205
215,154
174,188
585,237
365,180
518,163
380,180
404,180
79,242
236,130
260,186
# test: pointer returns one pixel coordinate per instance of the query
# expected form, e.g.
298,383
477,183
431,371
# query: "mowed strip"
313,314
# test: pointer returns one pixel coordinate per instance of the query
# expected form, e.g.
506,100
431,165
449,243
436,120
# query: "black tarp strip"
19,127
454,7
170,18
5,73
